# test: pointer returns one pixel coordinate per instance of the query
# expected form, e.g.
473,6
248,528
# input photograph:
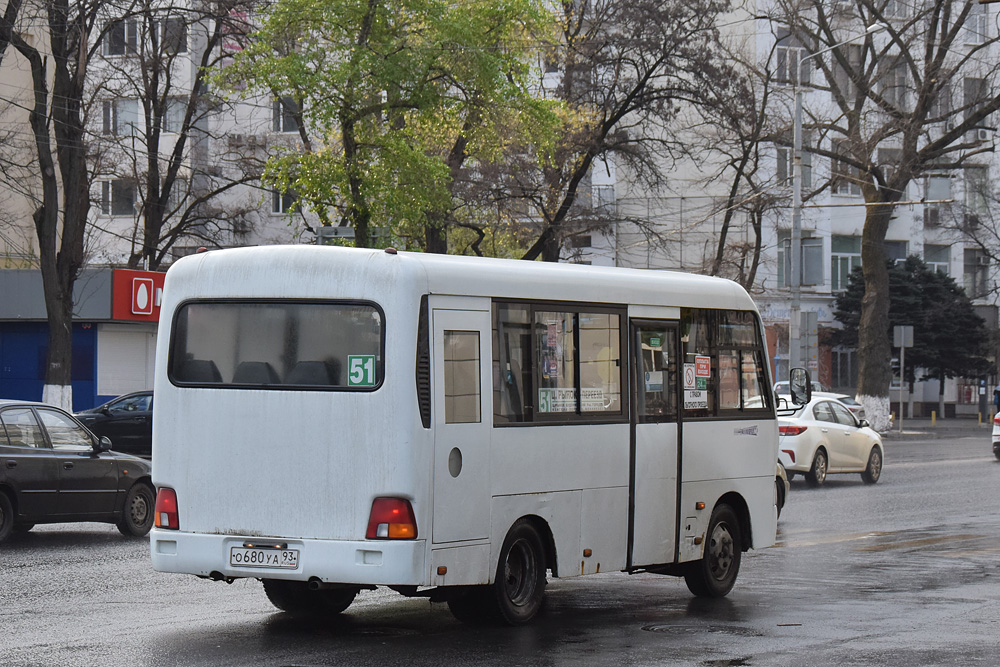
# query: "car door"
129,424
831,435
856,442
88,480
27,463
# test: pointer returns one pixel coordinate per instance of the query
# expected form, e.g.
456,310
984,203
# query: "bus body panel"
354,561
561,512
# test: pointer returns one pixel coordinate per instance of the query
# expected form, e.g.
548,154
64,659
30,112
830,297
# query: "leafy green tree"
392,99
949,338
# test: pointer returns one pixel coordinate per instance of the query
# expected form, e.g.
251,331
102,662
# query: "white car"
996,437
824,437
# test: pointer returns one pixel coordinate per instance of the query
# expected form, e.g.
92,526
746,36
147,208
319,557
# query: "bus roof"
306,271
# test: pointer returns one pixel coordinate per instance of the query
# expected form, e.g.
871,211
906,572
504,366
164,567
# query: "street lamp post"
795,312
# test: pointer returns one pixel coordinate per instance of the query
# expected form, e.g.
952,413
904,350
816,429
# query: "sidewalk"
955,426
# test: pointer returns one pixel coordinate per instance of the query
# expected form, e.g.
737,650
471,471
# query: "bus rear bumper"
337,561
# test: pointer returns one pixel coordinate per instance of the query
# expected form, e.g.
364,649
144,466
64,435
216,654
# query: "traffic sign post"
902,337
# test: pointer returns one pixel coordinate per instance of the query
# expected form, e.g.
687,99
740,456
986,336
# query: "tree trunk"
874,351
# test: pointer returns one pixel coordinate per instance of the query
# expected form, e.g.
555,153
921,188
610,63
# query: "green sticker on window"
361,370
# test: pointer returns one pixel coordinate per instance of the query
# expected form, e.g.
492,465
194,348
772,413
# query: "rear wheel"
6,516
874,468
817,474
295,597
519,587
715,574
779,485
137,515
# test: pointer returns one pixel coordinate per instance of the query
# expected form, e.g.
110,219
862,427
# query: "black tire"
715,574
295,597
6,516
779,485
138,511
471,606
817,473
518,591
874,468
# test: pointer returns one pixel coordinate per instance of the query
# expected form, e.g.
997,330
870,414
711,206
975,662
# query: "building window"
173,115
173,35
844,79
976,272
844,367
789,59
845,256
283,115
846,177
120,37
283,202
604,199
938,258
977,186
118,198
120,117
895,251
937,189
892,77
786,166
977,27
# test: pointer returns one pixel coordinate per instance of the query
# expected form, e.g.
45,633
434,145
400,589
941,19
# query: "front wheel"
295,597
137,515
817,474
874,468
715,574
519,587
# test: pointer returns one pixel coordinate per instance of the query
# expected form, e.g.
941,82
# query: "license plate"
257,557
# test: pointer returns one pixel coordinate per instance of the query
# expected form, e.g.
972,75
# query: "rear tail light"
791,454
391,519
791,430
996,420
166,509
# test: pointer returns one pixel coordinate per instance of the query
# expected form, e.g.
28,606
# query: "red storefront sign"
136,295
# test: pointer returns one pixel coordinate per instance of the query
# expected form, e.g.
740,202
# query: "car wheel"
518,590
714,575
137,514
471,606
295,597
6,516
874,468
817,474
779,485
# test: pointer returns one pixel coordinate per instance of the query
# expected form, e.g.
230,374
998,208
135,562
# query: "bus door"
655,447
462,415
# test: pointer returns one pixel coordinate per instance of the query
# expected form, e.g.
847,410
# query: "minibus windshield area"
277,345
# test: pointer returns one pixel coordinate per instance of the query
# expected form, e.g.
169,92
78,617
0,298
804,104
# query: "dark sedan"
127,421
53,470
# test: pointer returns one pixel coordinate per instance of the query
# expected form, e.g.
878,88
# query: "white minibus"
329,420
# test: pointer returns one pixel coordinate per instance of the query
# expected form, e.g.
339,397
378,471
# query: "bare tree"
905,103
157,130
60,183
624,70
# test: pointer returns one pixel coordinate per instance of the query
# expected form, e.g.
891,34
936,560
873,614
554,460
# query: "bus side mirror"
800,386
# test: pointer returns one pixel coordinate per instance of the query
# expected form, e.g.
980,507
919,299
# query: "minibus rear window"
277,345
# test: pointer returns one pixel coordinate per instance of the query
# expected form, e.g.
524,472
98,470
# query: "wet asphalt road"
906,572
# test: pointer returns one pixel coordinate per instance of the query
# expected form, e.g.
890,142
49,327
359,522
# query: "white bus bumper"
336,561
